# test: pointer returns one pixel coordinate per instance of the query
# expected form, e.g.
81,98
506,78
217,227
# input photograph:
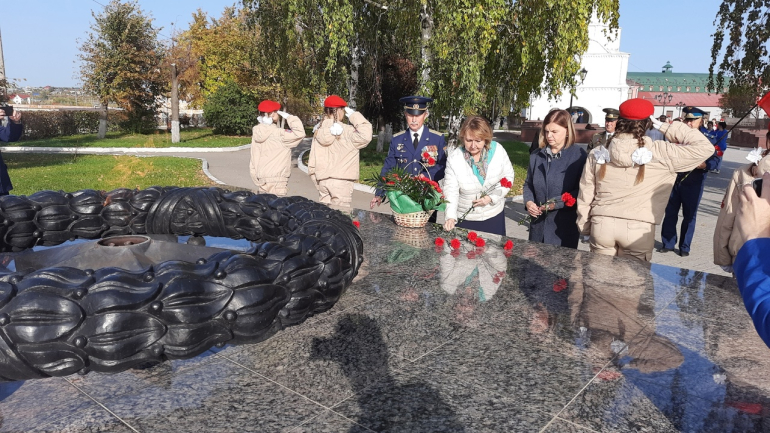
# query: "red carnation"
508,245
720,153
357,224
472,236
568,200
505,183
439,242
390,183
455,244
560,285
496,280
431,161
425,155
480,242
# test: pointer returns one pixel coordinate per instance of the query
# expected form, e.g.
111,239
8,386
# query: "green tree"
470,55
740,47
738,100
121,63
230,110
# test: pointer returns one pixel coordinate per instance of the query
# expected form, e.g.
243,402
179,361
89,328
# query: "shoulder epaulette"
436,132
398,133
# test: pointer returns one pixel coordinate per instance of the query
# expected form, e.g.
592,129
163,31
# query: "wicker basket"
414,219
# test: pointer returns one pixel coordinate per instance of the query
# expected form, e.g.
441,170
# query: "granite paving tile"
344,354
723,368
102,386
621,403
539,370
93,419
561,426
27,405
418,399
329,422
217,397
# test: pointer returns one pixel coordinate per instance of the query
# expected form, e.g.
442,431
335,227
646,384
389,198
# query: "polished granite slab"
539,338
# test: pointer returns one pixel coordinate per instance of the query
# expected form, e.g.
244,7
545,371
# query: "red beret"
335,101
636,109
268,106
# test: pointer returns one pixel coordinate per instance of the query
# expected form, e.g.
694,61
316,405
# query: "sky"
41,37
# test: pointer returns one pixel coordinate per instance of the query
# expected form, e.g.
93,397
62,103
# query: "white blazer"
461,186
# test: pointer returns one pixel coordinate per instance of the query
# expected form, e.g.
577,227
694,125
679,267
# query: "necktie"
416,140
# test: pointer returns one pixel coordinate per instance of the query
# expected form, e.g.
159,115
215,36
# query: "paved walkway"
231,167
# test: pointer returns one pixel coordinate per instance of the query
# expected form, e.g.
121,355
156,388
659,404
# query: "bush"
230,110
50,124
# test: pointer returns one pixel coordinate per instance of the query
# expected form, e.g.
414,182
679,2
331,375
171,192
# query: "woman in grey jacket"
553,170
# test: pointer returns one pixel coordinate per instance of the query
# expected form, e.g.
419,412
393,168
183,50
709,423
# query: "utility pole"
174,105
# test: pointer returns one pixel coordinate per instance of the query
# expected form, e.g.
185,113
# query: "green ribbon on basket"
403,204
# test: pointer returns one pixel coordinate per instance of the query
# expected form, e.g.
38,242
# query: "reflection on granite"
428,338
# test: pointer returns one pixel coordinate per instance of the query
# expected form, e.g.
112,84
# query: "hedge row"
50,124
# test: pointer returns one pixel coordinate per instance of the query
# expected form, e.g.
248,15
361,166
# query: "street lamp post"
583,74
680,105
664,98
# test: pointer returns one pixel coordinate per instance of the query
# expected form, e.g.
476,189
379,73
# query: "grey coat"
547,180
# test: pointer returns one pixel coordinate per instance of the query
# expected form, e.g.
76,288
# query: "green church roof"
679,82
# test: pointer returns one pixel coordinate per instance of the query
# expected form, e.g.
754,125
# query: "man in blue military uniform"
686,194
417,149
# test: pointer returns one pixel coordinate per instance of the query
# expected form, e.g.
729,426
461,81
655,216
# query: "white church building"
605,79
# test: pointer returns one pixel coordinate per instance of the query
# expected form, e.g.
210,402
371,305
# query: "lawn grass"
193,137
36,172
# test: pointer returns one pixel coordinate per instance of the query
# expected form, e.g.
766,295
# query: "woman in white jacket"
472,180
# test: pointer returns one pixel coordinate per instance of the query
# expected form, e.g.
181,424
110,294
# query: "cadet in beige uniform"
333,163
603,138
624,189
270,165
726,245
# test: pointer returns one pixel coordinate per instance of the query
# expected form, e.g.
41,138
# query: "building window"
688,88
650,88
669,88
697,89
678,88
660,88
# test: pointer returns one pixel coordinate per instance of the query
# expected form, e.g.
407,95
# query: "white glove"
656,123
349,111
265,120
584,239
336,129
282,114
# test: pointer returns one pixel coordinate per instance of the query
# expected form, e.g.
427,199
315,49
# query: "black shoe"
684,253
665,250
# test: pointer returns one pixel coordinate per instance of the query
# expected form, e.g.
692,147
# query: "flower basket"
412,219
413,199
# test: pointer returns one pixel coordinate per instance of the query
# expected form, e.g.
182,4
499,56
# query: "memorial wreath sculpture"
55,321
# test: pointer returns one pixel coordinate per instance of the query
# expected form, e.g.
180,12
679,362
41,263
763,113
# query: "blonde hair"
477,126
563,119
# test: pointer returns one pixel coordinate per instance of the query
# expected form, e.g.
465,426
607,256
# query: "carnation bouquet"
409,194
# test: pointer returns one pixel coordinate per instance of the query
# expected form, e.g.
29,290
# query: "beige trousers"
337,192
280,188
622,237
